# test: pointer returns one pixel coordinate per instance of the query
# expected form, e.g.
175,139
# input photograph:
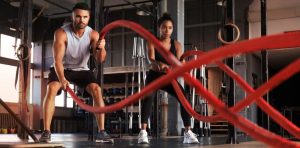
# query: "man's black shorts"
79,78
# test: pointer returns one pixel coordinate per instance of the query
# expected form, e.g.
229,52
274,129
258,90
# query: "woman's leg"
146,109
148,101
184,114
189,136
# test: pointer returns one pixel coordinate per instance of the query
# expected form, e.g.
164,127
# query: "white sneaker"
143,137
190,137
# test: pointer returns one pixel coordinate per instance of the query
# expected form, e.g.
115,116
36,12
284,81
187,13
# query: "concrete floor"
80,141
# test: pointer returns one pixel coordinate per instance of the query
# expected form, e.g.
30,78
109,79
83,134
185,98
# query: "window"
7,46
31,88
60,100
69,98
8,92
64,99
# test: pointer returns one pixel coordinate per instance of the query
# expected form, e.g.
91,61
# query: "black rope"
17,35
19,121
223,15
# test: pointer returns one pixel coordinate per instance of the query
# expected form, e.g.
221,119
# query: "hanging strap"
227,23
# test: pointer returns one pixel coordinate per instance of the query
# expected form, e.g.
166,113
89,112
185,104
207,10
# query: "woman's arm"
179,50
155,65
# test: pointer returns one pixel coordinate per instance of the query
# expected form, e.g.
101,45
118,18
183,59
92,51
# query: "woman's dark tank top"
158,57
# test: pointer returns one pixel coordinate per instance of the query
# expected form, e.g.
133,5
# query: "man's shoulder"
65,28
94,34
94,31
60,31
60,34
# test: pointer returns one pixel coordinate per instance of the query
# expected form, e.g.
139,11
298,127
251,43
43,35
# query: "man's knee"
53,88
94,88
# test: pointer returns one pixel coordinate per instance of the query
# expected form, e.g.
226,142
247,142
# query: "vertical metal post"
155,104
139,77
101,23
206,125
193,73
154,19
176,9
134,56
26,38
126,109
97,21
264,60
230,13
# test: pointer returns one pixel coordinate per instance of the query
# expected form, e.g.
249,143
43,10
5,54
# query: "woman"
158,67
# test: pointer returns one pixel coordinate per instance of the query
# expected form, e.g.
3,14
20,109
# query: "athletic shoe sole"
105,141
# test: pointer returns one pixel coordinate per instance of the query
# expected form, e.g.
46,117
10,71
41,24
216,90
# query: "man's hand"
100,44
64,84
100,51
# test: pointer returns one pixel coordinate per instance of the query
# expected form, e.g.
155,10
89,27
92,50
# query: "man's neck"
78,32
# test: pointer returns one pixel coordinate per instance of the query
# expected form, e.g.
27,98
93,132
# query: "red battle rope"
286,40
275,115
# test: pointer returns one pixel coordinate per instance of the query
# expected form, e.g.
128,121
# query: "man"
71,52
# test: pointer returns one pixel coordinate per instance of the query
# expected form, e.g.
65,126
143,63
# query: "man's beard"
80,26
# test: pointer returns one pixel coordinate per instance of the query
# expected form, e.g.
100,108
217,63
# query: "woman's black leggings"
147,102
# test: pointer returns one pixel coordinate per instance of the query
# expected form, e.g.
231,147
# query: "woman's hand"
159,66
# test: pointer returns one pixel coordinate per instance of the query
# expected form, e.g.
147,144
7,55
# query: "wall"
203,19
13,106
37,79
120,40
16,109
8,18
275,26
280,17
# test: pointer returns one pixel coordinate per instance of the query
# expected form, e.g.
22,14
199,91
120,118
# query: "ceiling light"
221,3
15,3
143,10
12,29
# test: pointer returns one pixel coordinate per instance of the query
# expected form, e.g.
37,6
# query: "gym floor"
80,141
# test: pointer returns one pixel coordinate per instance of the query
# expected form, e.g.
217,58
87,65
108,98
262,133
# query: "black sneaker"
103,137
46,136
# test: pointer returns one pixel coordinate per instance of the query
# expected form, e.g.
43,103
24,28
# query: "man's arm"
98,47
59,47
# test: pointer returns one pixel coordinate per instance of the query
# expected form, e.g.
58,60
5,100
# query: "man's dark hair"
165,17
82,6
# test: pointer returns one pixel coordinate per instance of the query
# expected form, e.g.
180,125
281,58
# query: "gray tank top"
77,53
